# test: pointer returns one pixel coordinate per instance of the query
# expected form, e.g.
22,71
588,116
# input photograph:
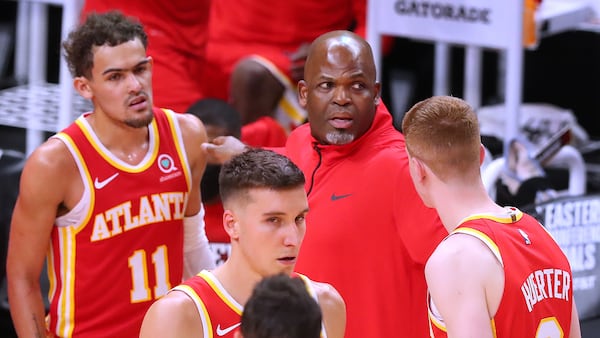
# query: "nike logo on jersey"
525,236
222,332
335,197
101,184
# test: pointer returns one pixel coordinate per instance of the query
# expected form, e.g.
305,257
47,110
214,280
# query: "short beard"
338,137
140,122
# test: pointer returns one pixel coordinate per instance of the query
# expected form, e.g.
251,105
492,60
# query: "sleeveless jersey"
538,293
121,247
219,312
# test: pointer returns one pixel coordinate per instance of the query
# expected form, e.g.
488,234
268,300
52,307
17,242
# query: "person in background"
219,119
369,234
265,210
112,201
499,273
255,54
177,35
280,306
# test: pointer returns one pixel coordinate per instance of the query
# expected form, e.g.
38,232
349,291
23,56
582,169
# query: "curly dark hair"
110,28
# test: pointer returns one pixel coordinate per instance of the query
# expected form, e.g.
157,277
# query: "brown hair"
110,28
258,168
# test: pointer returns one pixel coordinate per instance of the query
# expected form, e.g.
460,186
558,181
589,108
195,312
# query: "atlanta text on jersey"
152,209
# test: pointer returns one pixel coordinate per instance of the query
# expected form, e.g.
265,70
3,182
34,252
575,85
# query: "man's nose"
135,85
291,235
341,96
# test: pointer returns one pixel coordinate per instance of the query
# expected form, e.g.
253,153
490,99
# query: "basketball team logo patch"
166,163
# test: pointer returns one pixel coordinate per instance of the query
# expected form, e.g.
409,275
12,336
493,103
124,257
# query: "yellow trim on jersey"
313,293
513,216
484,238
285,104
66,303
210,279
179,145
433,320
89,134
204,317
308,284
291,111
67,248
87,179
441,326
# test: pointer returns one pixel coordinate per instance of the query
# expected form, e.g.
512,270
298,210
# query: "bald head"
336,46
340,91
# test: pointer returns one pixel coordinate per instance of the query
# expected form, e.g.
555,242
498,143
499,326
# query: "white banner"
575,224
485,23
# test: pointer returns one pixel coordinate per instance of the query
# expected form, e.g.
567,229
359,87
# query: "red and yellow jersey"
219,312
367,227
121,247
538,286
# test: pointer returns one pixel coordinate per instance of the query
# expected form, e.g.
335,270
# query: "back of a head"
218,113
110,28
258,168
443,132
281,307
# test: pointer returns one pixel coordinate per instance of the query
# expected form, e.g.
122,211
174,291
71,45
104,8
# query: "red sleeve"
264,132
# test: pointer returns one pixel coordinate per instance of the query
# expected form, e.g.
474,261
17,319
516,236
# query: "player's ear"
230,224
377,90
150,61
302,93
238,334
82,86
419,171
481,154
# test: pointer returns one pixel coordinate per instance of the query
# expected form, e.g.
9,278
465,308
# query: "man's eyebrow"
110,70
357,74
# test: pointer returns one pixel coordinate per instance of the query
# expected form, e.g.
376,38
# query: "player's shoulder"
327,295
175,308
175,300
52,156
190,125
460,252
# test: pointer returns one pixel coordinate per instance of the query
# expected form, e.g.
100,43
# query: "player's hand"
222,149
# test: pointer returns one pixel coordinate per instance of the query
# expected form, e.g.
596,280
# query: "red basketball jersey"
219,312
121,247
538,289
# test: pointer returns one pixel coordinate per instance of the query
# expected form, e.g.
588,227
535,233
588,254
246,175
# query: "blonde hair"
443,132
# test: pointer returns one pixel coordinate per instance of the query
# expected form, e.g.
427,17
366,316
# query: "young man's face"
270,228
121,83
